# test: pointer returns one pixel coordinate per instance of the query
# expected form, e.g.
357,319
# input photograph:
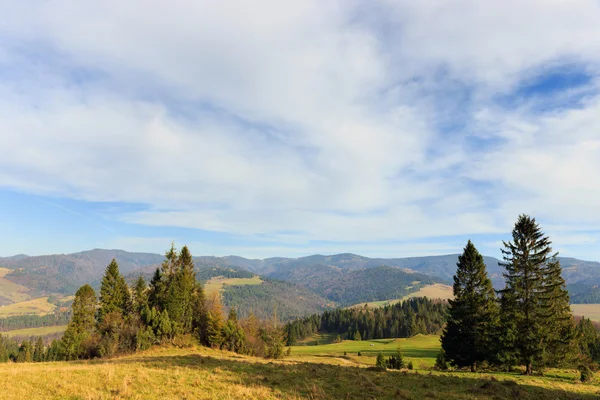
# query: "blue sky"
268,129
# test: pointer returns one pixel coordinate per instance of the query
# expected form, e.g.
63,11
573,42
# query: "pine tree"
214,322
535,302
38,353
156,291
114,292
471,315
25,352
559,326
140,294
380,362
82,324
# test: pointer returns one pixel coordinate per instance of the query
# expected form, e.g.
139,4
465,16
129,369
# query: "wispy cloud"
346,122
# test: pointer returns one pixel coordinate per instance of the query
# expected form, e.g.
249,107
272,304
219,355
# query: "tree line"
528,323
34,321
172,308
403,319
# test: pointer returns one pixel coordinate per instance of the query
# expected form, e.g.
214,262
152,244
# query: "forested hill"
64,273
347,287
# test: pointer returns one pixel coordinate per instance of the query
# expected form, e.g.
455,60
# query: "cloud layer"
338,121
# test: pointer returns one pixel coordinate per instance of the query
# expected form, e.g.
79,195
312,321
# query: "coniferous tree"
140,294
82,325
25,352
534,291
156,291
38,352
472,312
114,292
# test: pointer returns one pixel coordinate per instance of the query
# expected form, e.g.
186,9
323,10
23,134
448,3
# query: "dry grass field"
591,311
201,373
39,306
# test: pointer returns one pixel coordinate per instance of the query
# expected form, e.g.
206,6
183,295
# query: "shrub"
409,365
359,353
586,373
381,362
440,361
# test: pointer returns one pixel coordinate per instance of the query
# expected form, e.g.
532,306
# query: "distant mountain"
286,299
351,286
333,277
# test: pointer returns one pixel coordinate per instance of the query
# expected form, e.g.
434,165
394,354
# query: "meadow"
216,284
38,306
202,373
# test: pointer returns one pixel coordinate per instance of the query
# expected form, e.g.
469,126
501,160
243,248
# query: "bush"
440,361
396,361
345,354
381,362
409,365
359,353
586,373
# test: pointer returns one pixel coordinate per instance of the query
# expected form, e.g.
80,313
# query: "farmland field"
216,284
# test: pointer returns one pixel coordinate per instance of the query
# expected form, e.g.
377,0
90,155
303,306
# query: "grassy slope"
41,331
39,306
434,291
216,284
421,349
13,292
169,373
591,311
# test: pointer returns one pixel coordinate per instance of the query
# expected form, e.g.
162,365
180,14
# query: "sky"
269,128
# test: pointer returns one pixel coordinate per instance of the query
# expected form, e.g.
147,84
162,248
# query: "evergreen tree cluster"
529,323
404,319
171,309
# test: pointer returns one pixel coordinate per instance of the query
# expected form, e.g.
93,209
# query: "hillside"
202,373
288,299
342,278
349,286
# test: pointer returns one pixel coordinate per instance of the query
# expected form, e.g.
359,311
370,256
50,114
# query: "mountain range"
328,280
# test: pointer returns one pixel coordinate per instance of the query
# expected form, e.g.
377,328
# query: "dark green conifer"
114,292
472,312
38,352
82,324
536,304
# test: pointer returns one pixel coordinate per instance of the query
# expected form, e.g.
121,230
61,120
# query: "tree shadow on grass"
325,381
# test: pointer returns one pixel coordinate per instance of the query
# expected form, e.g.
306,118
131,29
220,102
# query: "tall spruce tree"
536,303
114,292
38,353
472,313
82,324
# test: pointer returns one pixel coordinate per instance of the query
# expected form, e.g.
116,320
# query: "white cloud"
322,119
